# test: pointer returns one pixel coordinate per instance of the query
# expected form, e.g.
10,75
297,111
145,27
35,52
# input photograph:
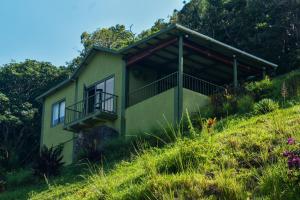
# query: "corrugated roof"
171,31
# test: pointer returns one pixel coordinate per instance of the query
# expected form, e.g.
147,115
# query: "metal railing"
170,81
201,86
152,89
99,102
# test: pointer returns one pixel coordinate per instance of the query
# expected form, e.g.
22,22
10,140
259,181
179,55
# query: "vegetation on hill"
164,173
250,154
250,25
243,160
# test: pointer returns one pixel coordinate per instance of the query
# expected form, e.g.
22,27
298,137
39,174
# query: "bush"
260,89
19,178
265,106
224,104
49,162
293,84
2,182
245,104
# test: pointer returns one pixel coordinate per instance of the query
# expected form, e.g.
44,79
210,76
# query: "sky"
49,30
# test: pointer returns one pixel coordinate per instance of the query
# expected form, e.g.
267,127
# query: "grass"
241,159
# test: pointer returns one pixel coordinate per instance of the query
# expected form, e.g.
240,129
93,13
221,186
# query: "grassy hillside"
239,157
242,160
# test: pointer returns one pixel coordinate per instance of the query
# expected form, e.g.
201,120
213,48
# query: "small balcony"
83,115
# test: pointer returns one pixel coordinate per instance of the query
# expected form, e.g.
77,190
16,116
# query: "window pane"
55,114
62,111
109,89
109,86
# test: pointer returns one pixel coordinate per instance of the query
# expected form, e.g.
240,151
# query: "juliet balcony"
83,115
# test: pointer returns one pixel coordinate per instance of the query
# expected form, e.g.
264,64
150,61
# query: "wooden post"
235,72
180,79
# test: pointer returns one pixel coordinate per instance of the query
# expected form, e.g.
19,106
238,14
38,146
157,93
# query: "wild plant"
284,92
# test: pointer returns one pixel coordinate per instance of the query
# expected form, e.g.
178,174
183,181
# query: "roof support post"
180,80
123,99
235,72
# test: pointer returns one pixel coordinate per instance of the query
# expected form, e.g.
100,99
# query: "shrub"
245,104
19,178
293,84
260,89
49,162
265,106
2,182
223,104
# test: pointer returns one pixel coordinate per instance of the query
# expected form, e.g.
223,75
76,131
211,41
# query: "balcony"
83,115
170,81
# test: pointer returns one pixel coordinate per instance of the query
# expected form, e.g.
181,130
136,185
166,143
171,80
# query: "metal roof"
172,31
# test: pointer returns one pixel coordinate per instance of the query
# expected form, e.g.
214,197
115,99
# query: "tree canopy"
270,29
20,84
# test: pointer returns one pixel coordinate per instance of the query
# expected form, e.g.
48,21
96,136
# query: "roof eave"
237,51
74,75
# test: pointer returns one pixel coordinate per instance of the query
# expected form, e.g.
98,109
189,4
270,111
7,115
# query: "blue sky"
49,30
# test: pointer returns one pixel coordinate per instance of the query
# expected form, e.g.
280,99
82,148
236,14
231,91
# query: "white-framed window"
58,113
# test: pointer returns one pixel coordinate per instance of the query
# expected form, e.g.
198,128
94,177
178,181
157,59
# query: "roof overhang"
89,55
196,42
176,30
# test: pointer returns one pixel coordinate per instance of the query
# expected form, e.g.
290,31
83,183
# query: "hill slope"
242,159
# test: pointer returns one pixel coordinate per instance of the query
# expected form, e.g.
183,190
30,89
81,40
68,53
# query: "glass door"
109,98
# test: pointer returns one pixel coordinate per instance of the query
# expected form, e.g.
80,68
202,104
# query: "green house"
138,88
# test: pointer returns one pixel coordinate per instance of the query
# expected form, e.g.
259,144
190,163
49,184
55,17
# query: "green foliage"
2,182
260,89
49,162
20,84
20,178
114,37
245,104
265,106
243,160
292,82
249,25
277,183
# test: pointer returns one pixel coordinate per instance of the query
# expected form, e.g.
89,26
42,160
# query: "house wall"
149,114
157,111
55,135
100,67
140,76
193,101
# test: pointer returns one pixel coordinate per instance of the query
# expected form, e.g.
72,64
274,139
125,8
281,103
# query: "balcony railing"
170,81
152,89
201,86
101,102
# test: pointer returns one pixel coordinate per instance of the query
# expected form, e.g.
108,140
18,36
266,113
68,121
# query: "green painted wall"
56,135
98,68
101,66
193,101
149,114
140,76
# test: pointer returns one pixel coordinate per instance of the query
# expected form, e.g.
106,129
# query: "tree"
269,29
20,84
114,37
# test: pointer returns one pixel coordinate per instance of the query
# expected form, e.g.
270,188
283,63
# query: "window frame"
52,112
104,81
93,85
